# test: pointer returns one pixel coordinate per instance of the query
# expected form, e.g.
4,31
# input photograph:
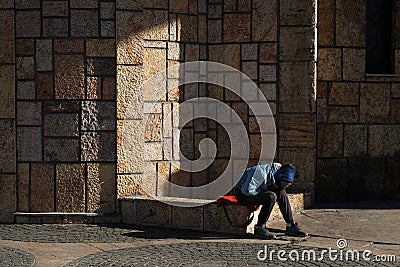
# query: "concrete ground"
359,230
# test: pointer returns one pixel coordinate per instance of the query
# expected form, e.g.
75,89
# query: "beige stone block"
45,86
329,64
153,128
153,151
130,185
7,40
129,39
226,54
298,12
215,31
23,187
297,130
25,68
55,8
42,187
29,144
29,113
237,27
187,28
297,81
154,62
151,212
375,102
98,115
93,87
264,15
350,23
100,48
304,161
353,64
98,146
27,23
69,77
343,94
70,188
330,140
297,43
130,144
190,218
355,140
155,24
344,114
44,55
7,97
383,140
178,6
69,46
101,184
7,193
326,22
84,23
129,92
61,149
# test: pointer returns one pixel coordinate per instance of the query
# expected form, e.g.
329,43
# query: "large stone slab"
350,23
375,102
294,12
264,15
129,92
101,187
330,140
70,188
297,130
69,77
297,43
326,22
383,140
29,144
42,188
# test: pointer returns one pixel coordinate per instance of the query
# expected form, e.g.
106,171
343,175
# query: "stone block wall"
358,126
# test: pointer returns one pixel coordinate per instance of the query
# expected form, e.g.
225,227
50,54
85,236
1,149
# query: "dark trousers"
267,199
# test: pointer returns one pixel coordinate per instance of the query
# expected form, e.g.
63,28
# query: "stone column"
296,120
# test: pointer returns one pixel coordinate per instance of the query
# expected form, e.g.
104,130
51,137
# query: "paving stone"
42,188
55,27
55,8
61,149
69,77
7,42
10,256
375,103
264,15
330,140
7,99
29,144
27,24
98,146
7,146
29,113
101,184
63,124
98,115
70,188
237,27
84,23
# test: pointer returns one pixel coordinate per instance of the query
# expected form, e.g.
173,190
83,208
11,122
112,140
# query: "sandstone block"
29,144
268,90
130,145
298,12
101,66
214,11
264,15
7,4
101,184
107,10
7,40
348,114
69,77
23,187
156,24
93,88
61,106
395,110
108,88
139,4
153,151
383,140
130,92
179,6
202,28
42,187
7,193
45,86
215,31
350,23
297,130
62,124
69,46
29,113
375,102
98,146
65,149
175,51
70,188
55,27
84,3
330,140
343,94
187,28
331,182
100,48
355,140
153,213
230,6
154,62
25,68
297,81
237,27
249,51
268,53
191,218
107,28
251,70
132,184
55,8
329,62
395,92
7,147
297,43
226,54
153,128
7,98
44,55
244,6
326,22
267,73
27,24
84,23
353,64
25,47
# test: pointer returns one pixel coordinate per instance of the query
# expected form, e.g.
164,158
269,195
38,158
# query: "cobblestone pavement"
15,257
120,245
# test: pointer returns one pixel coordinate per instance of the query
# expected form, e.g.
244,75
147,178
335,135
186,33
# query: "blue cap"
285,173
